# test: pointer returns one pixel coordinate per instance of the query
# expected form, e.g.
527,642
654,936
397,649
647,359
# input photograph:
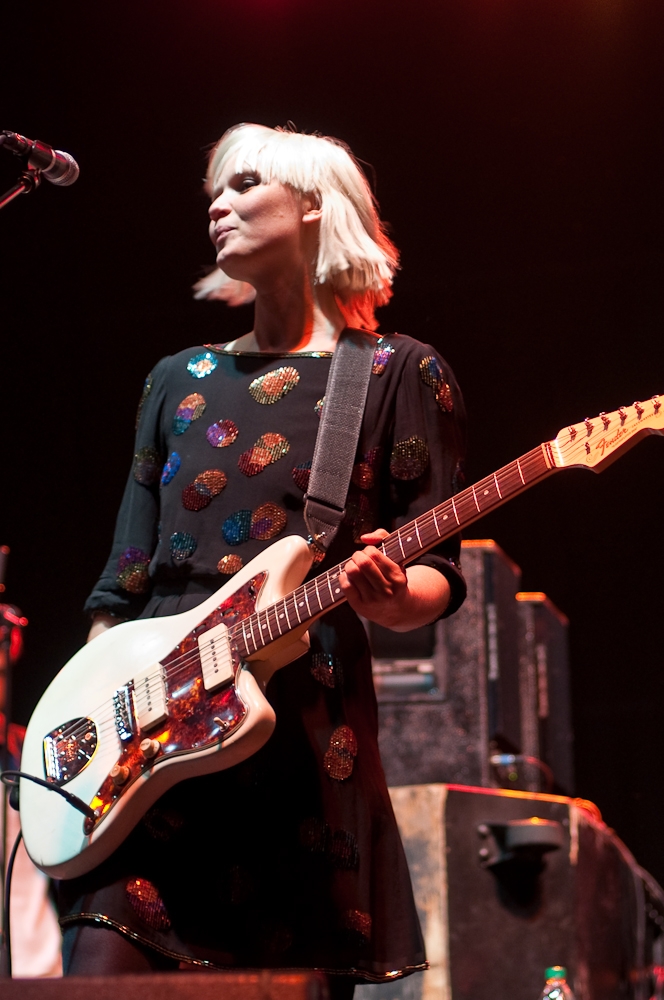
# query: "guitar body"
85,732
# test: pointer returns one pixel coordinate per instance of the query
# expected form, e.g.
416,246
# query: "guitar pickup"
150,696
214,649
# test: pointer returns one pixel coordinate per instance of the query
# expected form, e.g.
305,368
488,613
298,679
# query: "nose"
219,208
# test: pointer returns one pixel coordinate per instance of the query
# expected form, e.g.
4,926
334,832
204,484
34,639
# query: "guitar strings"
244,629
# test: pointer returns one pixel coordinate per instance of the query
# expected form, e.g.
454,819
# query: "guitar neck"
324,592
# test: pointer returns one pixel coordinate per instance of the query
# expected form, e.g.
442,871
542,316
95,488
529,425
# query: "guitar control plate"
68,749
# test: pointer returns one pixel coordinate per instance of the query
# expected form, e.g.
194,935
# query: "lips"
221,232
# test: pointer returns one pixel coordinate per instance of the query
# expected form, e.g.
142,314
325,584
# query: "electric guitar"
151,702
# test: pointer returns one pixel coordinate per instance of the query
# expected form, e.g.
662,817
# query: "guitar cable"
10,778
7,936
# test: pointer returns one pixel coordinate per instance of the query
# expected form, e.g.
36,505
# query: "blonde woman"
291,859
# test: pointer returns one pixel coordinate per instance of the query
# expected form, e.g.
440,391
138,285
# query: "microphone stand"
28,181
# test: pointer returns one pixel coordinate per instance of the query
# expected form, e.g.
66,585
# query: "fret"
475,499
244,636
318,597
417,532
329,586
284,614
454,510
251,626
518,465
295,596
306,598
495,477
435,520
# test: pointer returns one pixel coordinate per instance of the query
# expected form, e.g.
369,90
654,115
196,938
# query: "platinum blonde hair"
355,255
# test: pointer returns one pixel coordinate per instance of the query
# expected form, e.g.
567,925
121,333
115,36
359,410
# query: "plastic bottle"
556,987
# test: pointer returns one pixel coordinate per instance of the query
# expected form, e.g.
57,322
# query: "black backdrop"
518,150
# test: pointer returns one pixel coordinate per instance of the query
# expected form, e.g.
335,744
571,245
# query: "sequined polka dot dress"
291,859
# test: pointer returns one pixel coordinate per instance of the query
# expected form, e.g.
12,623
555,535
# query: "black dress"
291,859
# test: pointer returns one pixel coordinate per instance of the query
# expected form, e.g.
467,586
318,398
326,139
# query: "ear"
311,207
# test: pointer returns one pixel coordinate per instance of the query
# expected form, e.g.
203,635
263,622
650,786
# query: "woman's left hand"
384,592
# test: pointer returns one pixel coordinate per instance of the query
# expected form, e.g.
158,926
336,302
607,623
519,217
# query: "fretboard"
322,593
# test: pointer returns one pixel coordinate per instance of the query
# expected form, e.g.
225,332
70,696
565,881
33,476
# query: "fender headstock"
596,442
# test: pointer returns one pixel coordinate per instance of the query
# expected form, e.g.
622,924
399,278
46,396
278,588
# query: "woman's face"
257,229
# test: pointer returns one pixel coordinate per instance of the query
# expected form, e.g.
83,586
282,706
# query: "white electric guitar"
151,702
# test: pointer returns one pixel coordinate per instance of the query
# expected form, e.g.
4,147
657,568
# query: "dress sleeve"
124,586
428,449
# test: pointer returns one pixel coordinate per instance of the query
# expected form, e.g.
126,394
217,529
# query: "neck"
293,314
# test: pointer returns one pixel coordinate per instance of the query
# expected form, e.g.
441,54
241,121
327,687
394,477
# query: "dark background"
518,150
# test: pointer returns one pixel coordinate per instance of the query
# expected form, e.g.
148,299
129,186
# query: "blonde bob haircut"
355,256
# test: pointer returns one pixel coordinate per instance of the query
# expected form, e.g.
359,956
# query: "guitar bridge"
68,749
123,711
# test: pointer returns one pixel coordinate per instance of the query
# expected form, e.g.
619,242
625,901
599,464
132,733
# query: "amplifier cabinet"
508,883
444,708
546,718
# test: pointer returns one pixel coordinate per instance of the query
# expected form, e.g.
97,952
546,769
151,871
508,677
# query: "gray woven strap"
338,434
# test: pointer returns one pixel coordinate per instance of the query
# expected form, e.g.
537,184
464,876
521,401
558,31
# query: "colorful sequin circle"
183,545
202,365
133,570
382,355
170,468
191,408
327,669
432,375
206,486
147,904
339,847
221,434
147,466
359,513
265,522
301,474
340,755
318,408
409,458
359,923
230,564
147,389
271,387
268,449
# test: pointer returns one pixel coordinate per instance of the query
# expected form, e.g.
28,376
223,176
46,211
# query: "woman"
291,859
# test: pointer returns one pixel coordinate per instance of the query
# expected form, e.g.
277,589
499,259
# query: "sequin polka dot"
409,458
133,570
341,753
382,355
202,365
228,565
147,389
170,469
235,528
274,385
147,466
301,474
267,521
268,449
326,669
182,546
147,904
342,850
318,408
191,408
359,513
432,375
222,434
363,475
314,835
206,486
359,923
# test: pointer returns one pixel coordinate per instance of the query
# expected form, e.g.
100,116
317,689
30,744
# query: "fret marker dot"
301,604
444,517
263,626
410,538
486,493
281,615
337,591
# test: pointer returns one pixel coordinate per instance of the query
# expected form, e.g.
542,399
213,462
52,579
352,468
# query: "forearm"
426,596
101,622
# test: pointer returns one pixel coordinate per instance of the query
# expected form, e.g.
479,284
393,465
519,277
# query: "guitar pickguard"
197,719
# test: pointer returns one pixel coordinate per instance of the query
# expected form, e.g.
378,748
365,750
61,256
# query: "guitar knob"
150,748
120,774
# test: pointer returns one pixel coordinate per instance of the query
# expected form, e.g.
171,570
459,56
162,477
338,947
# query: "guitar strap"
338,434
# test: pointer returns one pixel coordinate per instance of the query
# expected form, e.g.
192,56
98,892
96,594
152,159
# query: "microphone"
57,167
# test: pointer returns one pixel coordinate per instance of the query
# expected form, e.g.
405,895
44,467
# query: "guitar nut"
120,774
149,748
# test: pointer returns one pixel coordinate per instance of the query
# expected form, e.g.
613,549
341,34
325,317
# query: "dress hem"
100,918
